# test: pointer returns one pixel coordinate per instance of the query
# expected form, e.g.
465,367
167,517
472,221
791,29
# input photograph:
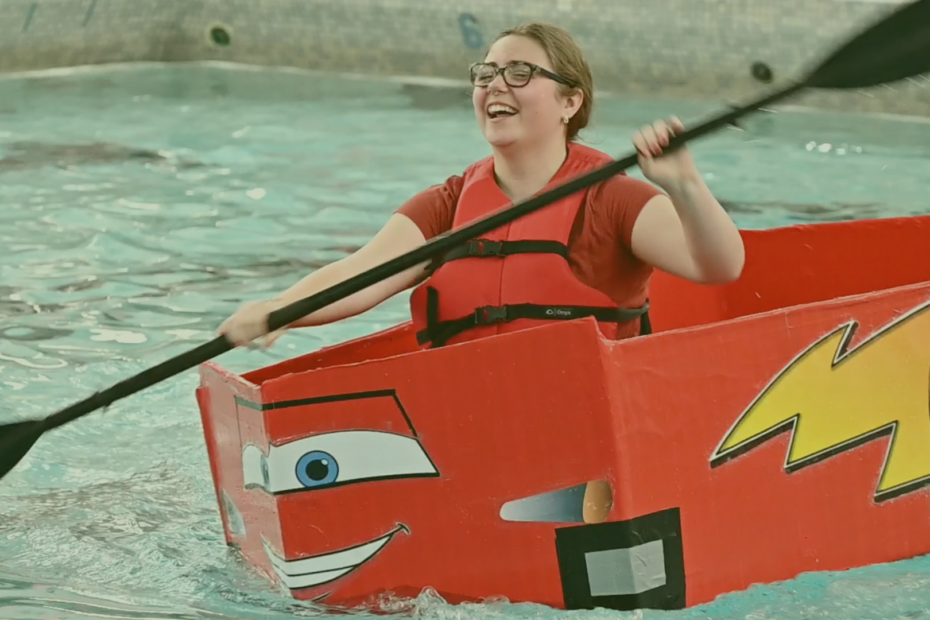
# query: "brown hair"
567,60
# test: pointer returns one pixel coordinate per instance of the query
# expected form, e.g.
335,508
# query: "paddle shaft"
437,246
448,241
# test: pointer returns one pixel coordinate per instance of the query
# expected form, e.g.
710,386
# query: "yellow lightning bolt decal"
834,400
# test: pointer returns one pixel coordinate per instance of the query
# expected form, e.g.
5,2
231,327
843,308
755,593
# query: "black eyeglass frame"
502,71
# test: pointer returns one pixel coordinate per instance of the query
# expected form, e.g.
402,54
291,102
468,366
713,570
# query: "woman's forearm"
398,236
335,273
323,278
713,240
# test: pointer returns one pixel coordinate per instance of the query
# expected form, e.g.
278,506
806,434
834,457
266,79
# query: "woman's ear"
572,103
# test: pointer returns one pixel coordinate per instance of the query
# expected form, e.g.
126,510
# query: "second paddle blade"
895,48
15,440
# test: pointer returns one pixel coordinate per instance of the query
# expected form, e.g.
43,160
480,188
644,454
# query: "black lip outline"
398,527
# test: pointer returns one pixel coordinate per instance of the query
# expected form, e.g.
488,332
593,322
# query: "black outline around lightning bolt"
842,354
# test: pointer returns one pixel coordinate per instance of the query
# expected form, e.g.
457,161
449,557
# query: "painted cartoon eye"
333,459
317,468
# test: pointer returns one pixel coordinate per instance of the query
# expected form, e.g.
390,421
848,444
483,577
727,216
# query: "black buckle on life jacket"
487,315
485,247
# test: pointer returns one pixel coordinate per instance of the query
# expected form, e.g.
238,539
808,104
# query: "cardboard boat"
770,427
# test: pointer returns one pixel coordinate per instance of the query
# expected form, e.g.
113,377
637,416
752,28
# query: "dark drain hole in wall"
220,36
761,72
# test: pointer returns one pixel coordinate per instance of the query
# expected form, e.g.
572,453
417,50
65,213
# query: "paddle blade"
15,441
894,48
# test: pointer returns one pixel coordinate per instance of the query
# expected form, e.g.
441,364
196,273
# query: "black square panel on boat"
623,565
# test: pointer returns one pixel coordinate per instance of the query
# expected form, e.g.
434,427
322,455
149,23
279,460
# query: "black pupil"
317,469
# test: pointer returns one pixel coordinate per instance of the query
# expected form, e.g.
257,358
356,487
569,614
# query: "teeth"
319,569
499,108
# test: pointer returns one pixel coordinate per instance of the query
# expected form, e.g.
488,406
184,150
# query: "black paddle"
896,47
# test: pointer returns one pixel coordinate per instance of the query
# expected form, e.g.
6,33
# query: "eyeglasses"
516,74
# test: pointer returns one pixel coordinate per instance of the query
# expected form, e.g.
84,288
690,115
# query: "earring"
565,119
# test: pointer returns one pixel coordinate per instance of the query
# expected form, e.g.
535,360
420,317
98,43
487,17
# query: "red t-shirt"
599,250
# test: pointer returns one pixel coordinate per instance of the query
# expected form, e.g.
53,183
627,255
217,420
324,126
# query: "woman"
588,255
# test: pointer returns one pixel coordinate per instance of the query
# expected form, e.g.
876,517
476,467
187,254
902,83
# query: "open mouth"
319,569
499,110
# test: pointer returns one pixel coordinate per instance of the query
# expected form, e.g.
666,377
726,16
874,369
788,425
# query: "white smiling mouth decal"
319,569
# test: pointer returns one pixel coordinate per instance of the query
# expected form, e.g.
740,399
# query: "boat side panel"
432,469
791,442
801,264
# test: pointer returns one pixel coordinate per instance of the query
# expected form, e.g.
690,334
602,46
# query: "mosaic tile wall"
709,49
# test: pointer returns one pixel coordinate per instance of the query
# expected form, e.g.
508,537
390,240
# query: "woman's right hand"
250,322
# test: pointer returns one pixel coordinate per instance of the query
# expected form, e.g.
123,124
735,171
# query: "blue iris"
317,468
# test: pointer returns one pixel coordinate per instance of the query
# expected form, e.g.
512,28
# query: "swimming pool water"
142,205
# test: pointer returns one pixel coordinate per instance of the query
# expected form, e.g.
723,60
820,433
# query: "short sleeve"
622,199
433,209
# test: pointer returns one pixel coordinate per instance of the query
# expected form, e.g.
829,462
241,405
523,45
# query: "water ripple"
140,209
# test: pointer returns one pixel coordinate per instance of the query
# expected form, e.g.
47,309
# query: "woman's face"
528,114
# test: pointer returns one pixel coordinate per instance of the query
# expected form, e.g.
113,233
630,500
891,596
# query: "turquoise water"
142,205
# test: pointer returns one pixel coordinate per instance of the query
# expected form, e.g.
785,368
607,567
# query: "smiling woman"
589,255
117,514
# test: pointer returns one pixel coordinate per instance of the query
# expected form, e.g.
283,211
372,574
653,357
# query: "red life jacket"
518,275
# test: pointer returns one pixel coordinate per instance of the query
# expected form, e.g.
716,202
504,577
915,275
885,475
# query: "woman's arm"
424,216
686,233
398,236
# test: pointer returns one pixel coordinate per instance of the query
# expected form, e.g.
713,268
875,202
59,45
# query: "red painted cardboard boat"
770,427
